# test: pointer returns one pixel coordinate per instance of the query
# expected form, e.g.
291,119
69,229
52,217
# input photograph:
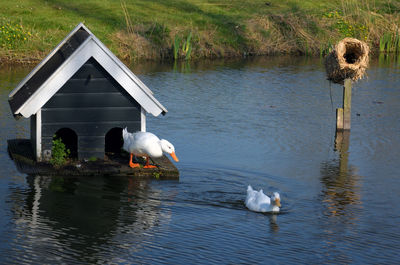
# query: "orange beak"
278,202
174,157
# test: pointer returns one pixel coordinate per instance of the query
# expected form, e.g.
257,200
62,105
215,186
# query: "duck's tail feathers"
125,133
250,196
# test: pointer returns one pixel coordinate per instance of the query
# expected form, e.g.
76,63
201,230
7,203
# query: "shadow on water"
80,219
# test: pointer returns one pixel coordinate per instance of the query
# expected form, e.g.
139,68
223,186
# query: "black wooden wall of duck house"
86,109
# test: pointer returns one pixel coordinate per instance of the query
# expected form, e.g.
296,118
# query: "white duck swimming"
257,201
146,144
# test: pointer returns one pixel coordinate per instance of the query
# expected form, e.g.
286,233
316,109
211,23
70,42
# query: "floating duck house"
82,93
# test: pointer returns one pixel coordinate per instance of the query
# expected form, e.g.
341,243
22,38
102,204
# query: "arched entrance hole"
70,139
114,141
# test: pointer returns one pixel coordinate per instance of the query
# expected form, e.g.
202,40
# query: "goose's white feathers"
146,144
257,201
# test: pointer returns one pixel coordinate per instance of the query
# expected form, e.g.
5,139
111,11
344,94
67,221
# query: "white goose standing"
146,144
257,201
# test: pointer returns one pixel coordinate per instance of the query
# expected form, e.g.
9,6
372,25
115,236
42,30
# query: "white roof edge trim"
37,67
40,97
91,47
141,94
122,65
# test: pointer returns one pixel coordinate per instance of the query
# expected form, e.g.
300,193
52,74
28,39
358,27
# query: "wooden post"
346,104
343,114
342,143
339,119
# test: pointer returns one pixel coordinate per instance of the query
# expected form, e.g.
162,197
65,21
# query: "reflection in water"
387,60
273,223
182,67
185,67
340,199
79,219
340,181
342,143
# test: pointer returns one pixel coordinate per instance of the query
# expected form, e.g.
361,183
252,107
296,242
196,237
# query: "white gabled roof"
91,47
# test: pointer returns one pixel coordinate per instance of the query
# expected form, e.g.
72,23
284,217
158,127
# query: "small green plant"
12,35
59,153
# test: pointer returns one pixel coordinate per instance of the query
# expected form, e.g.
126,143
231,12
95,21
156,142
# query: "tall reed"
128,21
187,46
176,47
389,43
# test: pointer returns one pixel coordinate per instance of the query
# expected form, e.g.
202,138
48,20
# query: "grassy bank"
191,29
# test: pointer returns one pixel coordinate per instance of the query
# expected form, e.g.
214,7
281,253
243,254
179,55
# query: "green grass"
143,29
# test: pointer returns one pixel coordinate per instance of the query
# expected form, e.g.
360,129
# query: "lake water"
268,122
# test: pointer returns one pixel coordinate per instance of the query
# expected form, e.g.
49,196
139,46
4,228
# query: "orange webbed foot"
133,165
149,166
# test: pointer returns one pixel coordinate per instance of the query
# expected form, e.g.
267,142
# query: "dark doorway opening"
70,139
114,141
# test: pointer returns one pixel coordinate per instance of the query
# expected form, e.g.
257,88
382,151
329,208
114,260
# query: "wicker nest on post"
349,59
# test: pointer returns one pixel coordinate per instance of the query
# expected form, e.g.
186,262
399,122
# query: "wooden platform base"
20,151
